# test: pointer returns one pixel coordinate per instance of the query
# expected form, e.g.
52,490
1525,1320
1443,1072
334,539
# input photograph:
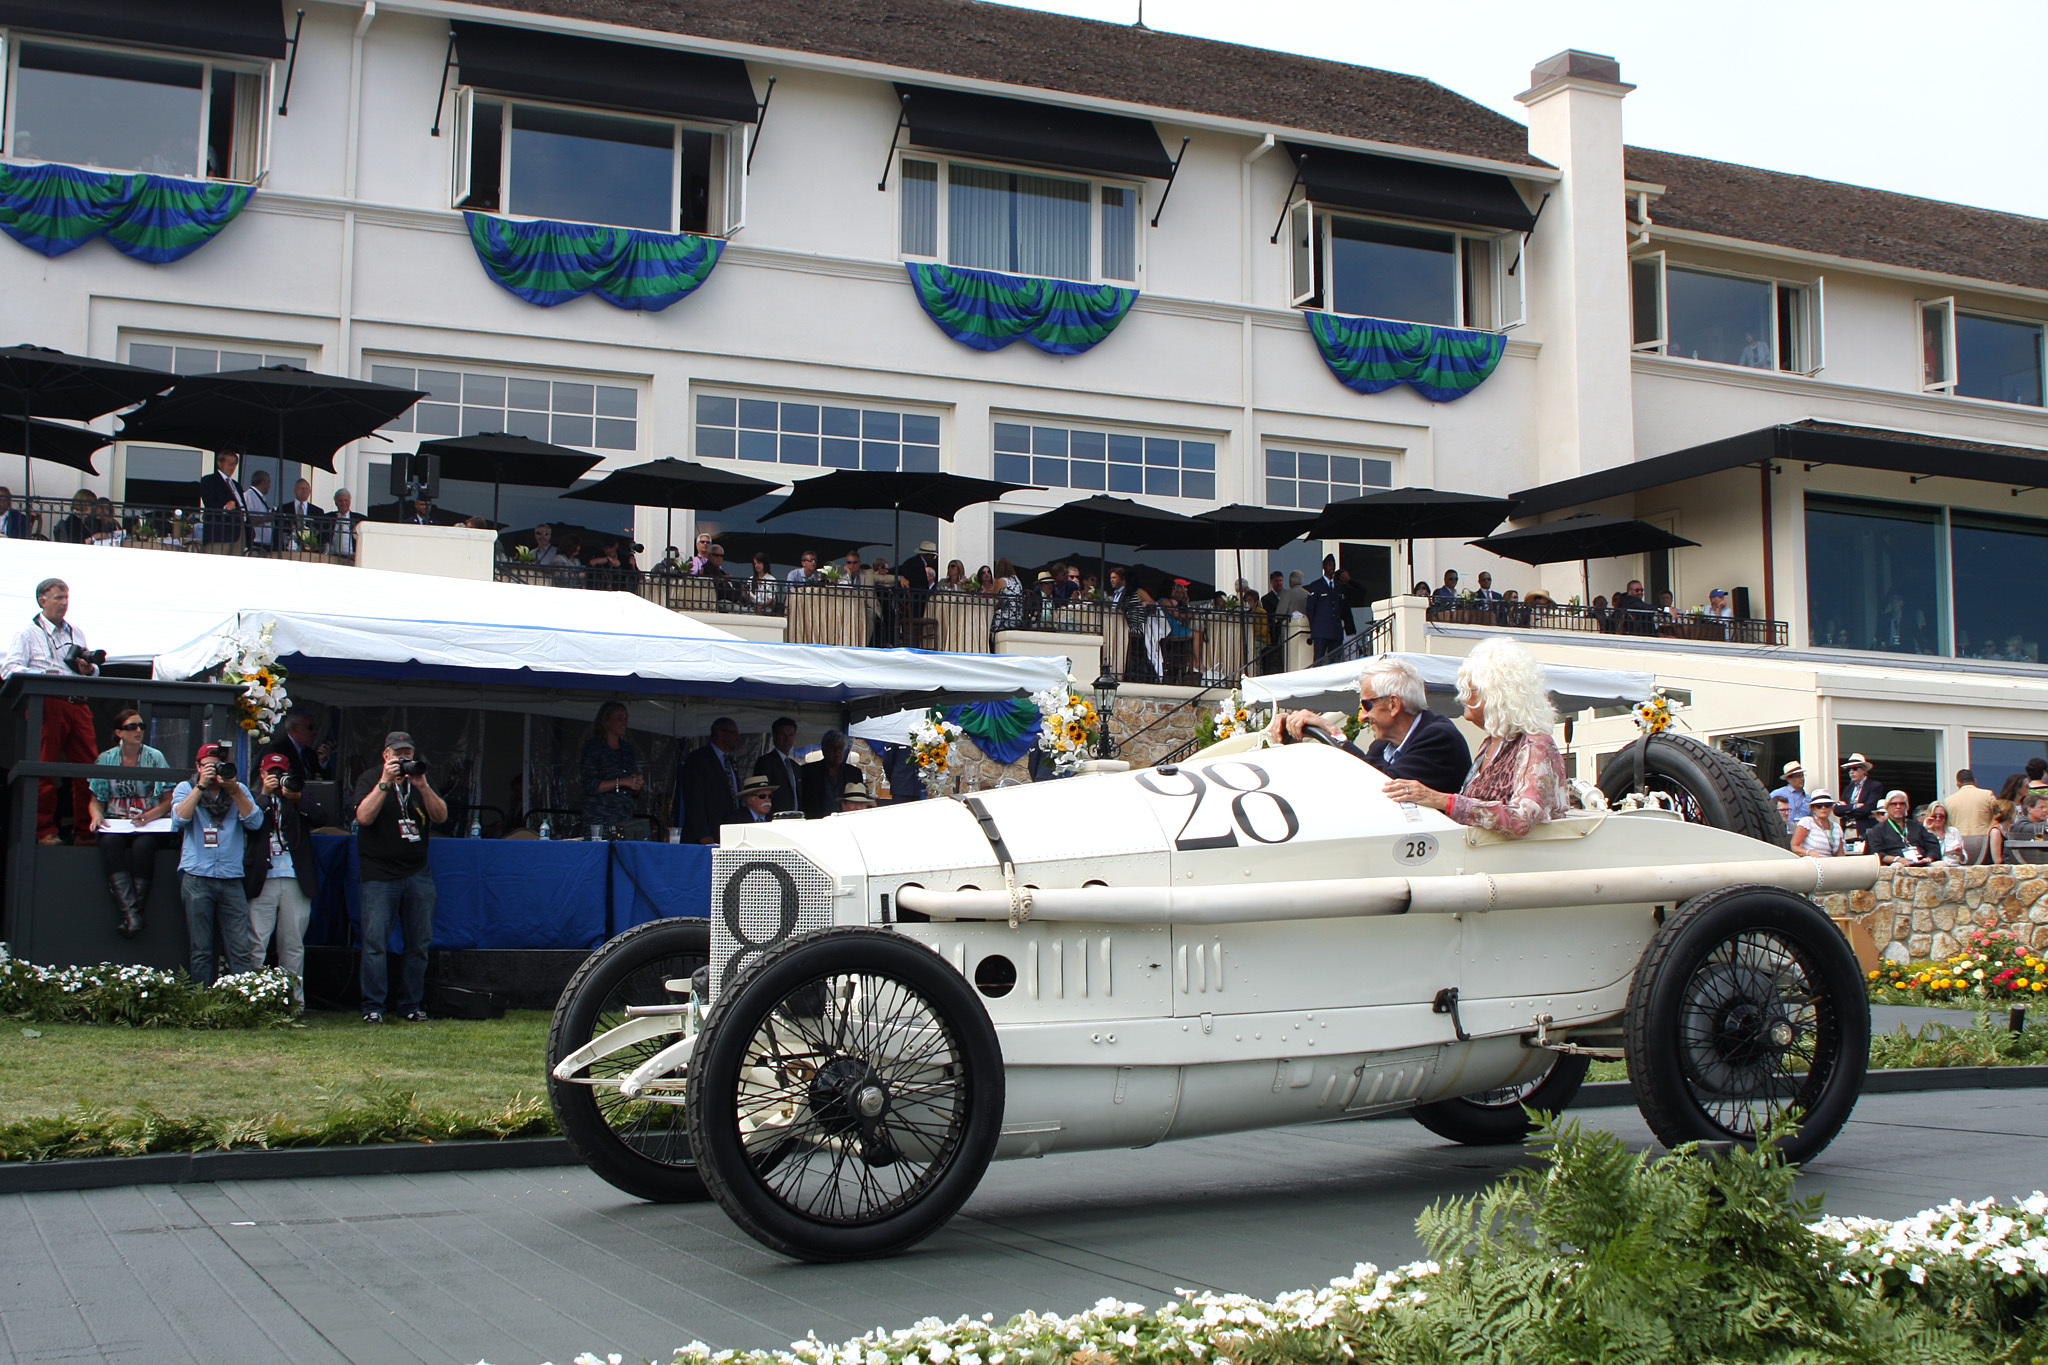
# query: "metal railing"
1608,621
1374,639
189,528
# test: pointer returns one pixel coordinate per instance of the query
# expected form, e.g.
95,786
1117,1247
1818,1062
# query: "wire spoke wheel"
1757,1035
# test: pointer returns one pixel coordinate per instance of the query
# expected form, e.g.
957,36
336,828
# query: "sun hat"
1855,761
1823,797
757,786
1791,768
926,547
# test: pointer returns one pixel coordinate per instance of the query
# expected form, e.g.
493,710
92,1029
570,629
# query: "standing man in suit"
710,786
306,757
781,767
298,513
341,536
226,504
1862,798
1326,610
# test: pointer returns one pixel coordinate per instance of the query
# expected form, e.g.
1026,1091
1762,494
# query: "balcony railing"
189,528
1609,621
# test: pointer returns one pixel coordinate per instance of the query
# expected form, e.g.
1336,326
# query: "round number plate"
1414,849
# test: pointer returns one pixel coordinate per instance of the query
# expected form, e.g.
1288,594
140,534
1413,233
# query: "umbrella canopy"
1585,536
37,381
1411,514
590,537
670,484
277,410
782,547
1239,526
496,458
934,495
52,441
1103,519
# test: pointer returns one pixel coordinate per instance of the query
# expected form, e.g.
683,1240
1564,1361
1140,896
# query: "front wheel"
1493,1118
846,1095
1706,785
1748,1006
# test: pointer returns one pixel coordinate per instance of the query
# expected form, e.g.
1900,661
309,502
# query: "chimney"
1578,267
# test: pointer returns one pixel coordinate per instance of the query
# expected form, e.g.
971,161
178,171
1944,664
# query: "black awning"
1410,189
245,28
562,66
1815,443
1034,133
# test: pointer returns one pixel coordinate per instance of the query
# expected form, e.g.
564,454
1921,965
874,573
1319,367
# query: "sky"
1935,99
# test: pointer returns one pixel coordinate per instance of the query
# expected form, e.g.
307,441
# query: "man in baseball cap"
1797,804
213,814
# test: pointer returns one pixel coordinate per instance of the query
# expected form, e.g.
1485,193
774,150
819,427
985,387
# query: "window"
129,111
1405,272
1312,479
1019,222
815,432
1758,324
579,165
183,359
165,475
1979,356
1874,576
1106,461
1984,550
566,412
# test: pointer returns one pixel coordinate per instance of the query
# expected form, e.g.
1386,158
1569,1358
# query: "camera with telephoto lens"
291,782
411,767
74,655
224,770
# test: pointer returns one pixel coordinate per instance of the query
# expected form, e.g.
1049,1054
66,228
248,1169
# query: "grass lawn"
455,1064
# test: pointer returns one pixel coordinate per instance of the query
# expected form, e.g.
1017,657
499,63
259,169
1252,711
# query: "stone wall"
1923,912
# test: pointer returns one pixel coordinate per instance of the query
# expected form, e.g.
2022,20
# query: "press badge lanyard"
408,818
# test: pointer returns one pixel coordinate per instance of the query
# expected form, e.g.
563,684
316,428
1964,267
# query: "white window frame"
1095,184
1955,312
1655,345
728,213
1946,307
264,72
1812,314
1321,252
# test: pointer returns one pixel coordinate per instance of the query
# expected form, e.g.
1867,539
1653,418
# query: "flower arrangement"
142,997
1996,965
525,554
254,665
931,743
1653,717
1067,728
831,574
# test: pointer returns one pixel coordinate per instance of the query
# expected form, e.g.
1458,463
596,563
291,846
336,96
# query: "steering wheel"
1321,735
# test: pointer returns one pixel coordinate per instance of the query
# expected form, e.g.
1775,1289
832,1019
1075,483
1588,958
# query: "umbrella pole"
496,488
897,562
28,441
1585,584
668,527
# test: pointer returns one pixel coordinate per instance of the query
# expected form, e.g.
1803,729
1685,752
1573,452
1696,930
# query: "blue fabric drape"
988,311
54,209
994,728
1371,354
549,263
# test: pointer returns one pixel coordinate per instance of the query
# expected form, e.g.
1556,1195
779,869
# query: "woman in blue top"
128,858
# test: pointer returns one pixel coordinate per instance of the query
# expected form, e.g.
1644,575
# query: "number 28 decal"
1215,822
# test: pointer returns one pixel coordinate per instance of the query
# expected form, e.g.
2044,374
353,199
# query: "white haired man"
1408,739
341,539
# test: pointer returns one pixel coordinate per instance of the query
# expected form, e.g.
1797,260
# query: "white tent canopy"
183,612
1335,686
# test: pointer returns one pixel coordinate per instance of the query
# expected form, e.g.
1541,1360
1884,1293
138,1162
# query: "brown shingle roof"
1053,52
1851,221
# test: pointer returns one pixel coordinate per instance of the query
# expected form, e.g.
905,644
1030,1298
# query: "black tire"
642,1148
1748,1005
1710,787
826,1035
1492,1118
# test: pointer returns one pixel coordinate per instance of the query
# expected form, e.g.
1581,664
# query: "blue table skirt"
526,893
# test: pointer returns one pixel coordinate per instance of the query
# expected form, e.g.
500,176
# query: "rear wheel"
1707,786
1493,1117
640,1146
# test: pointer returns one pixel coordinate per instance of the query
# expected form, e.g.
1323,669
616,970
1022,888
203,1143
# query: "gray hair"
48,585
1294,579
1502,675
344,493
1388,676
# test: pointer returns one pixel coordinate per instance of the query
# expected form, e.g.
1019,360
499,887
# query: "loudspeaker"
416,476
1738,600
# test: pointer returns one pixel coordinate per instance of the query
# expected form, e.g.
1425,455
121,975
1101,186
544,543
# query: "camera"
74,655
636,547
291,782
411,767
224,770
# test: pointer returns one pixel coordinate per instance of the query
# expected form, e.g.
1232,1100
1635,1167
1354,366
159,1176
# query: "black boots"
129,893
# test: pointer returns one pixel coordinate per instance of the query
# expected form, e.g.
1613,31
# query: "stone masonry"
1916,913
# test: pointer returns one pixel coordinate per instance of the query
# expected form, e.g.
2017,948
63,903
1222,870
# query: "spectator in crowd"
1861,801
76,528
1326,611
341,537
984,581
781,766
700,557
128,857
757,801
806,570
301,514
1969,815
709,785
854,796
2013,788
309,758
1448,593
1602,616
14,523
51,645
2002,818
1820,834
762,593
2033,819
279,875
1793,792
1632,610
955,580
2037,773
1511,610
1294,601
1897,837
1421,589
824,781
1408,739
1276,583
1717,605
728,592
256,501
1010,612
1667,606
395,806
226,504
571,547
213,814
1784,812
1484,593
545,551
671,565
611,770
1934,819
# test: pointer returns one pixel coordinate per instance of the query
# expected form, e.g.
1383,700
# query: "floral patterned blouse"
1514,785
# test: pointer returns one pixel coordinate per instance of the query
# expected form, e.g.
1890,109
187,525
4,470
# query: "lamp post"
1105,707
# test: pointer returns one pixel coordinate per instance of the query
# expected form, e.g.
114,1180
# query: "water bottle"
476,824
547,828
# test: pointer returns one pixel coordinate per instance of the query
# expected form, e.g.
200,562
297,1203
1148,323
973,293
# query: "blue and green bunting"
1371,354
987,311
154,218
1004,731
550,263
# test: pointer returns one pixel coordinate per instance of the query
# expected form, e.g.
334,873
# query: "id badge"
210,838
408,829
276,844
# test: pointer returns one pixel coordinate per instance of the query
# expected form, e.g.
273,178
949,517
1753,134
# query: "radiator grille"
760,897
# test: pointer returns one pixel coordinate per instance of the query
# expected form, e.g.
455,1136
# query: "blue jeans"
211,901
411,899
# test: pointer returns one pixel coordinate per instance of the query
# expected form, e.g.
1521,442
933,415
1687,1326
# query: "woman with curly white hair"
1517,781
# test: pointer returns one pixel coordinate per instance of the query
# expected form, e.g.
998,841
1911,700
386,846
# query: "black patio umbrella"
53,441
39,382
1582,537
670,484
1239,527
498,458
934,495
1411,514
1103,519
291,413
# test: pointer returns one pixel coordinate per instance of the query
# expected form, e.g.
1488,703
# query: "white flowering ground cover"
142,997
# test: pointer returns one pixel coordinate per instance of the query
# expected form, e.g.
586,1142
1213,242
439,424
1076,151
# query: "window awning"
1038,134
1410,189
1815,443
560,66
245,28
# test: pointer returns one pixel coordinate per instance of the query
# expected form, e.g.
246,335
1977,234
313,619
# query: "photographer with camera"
213,814
393,807
50,644
278,872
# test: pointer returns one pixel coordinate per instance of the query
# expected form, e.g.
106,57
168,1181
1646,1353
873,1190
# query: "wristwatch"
383,786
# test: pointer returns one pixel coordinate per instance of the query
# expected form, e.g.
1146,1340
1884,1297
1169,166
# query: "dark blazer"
1887,842
707,796
1326,610
1860,801
298,841
305,762
820,795
1435,754
222,497
333,527
787,774
15,521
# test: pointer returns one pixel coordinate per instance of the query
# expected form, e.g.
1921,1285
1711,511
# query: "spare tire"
1709,787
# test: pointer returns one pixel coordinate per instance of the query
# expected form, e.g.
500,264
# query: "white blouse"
1821,843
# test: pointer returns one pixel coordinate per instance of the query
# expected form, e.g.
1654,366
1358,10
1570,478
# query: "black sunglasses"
131,725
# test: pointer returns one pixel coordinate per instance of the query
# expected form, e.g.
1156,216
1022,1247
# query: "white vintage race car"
883,1002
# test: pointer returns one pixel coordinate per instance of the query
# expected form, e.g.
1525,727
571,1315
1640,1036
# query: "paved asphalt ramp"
518,1267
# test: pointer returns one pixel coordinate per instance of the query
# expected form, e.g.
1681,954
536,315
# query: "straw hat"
1791,768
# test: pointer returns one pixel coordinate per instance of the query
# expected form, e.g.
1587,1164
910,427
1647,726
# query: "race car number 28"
1231,798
